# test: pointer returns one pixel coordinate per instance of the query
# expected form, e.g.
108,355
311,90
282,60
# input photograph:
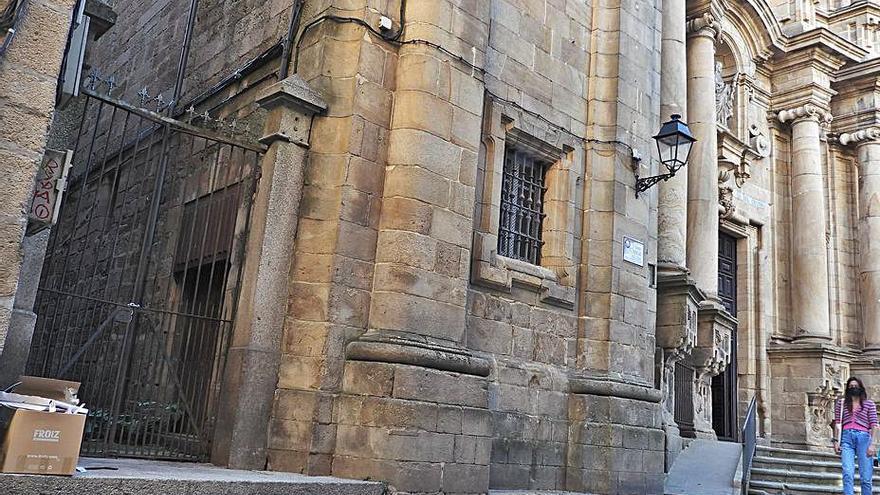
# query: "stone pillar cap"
293,92
861,136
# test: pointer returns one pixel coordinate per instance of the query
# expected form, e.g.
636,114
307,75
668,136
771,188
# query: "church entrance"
724,420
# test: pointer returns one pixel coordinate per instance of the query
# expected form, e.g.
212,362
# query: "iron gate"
140,280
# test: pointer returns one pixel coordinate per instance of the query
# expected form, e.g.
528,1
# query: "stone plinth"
420,429
806,378
616,440
709,358
677,303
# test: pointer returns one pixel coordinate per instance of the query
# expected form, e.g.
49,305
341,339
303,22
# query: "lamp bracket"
645,183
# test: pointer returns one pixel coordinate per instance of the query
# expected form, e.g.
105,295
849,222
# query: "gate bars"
141,275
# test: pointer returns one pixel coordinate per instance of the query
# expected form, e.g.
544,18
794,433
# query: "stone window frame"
554,280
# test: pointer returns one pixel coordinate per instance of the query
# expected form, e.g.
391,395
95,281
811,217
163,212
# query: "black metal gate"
141,276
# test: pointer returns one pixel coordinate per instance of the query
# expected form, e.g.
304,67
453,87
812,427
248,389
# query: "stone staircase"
777,471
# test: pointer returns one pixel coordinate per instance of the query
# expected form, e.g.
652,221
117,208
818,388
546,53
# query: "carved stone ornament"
835,375
805,112
758,141
725,199
818,414
707,24
862,135
724,96
725,190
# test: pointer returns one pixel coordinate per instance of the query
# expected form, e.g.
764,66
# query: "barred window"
522,206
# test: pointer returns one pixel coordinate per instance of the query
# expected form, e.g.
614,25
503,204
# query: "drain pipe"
295,14
184,55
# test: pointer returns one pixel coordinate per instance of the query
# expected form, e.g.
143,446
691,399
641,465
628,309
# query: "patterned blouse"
864,417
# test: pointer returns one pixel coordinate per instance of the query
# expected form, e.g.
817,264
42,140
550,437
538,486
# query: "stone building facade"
32,42
449,282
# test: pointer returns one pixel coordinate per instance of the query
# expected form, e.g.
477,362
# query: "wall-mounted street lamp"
674,143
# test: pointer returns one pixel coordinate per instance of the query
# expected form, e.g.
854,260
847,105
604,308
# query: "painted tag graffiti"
46,199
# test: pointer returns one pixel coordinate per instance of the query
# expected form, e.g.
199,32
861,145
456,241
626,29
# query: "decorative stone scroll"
707,24
758,141
804,112
867,134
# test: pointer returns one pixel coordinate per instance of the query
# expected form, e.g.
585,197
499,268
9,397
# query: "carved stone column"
702,210
810,307
672,199
868,146
711,352
677,295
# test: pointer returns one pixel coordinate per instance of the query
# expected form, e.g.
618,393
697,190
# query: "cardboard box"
41,442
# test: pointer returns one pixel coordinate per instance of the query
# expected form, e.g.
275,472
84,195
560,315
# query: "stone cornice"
869,69
853,10
819,58
804,112
705,24
828,40
860,136
809,349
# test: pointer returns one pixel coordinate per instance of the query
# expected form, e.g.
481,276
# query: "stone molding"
708,24
861,136
804,112
399,348
609,387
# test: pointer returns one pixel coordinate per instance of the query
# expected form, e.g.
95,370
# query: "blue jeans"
854,444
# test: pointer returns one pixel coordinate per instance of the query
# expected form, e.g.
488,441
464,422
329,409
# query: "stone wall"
28,74
143,49
410,350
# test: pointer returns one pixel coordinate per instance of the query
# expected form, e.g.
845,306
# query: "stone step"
799,476
779,452
781,471
758,487
801,465
795,464
138,477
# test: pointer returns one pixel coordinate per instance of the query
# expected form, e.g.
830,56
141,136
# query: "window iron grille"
522,206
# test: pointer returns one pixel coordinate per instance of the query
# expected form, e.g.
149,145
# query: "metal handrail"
749,441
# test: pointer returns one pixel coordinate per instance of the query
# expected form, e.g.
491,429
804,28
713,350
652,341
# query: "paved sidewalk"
139,477
706,467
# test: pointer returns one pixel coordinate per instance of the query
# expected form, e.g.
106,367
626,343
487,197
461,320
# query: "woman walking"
855,423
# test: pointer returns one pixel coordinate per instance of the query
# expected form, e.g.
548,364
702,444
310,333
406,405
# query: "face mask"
854,391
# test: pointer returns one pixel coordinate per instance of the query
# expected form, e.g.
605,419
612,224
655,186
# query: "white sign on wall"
633,251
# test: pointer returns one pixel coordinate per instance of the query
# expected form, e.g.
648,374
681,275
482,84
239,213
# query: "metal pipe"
245,70
295,14
184,55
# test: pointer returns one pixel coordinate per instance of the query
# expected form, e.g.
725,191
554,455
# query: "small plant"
146,419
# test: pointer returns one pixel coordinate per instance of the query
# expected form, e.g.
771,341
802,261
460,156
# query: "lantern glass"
674,142
667,147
